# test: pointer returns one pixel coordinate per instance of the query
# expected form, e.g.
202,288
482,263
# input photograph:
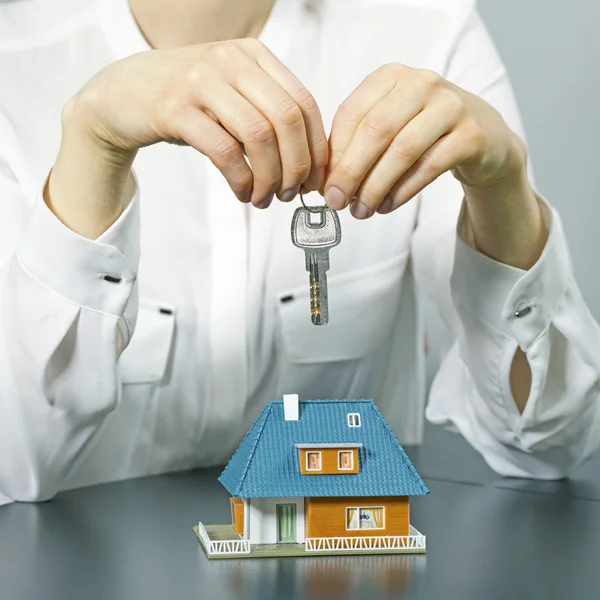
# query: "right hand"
225,99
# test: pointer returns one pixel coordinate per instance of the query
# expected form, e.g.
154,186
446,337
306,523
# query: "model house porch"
318,477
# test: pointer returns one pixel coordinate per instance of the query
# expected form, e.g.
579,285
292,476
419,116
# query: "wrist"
82,126
505,219
509,188
509,174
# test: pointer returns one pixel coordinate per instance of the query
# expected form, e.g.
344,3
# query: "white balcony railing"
222,546
415,542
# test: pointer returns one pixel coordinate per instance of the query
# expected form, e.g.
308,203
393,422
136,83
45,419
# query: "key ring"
314,209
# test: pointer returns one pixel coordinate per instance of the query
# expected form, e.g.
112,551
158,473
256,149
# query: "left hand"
401,129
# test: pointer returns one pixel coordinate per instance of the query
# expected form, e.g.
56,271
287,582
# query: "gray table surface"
133,540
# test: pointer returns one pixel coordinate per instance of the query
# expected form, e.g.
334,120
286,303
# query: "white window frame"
359,508
351,468
309,470
354,420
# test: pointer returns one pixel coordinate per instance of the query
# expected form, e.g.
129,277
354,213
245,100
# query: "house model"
317,477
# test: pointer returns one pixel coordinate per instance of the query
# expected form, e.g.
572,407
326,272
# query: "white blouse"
213,297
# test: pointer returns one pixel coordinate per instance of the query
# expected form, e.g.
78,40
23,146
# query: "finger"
353,110
442,156
256,133
405,149
371,138
287,119
201,132
315,131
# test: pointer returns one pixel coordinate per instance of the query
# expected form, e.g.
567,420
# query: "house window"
372,517
313,461
353,420
345,460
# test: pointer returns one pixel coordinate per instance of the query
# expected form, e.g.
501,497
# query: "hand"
224,99
401,129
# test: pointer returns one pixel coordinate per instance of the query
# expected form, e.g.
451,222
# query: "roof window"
353,420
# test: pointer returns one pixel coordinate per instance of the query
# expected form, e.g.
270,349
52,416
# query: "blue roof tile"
266,463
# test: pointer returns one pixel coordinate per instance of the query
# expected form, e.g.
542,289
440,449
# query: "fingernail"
335,198
386,206
360,211
290,194
244,196
266,202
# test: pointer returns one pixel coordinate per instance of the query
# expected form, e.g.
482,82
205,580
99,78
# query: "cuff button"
110,278
522,312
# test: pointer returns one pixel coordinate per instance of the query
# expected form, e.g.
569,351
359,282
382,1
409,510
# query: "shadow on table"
320,578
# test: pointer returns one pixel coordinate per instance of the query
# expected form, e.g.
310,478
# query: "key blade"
315,300
319,302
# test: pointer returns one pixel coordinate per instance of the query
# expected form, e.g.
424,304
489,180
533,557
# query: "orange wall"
237,515
329,461
326,517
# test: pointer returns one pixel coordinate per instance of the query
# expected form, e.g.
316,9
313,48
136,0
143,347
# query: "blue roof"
266,464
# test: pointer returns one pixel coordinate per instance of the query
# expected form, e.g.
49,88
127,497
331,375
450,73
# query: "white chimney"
290,407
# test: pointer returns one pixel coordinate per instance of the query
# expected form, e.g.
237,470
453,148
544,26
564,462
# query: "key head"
316,228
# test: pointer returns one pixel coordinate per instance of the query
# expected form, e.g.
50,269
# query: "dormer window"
353,420
329,458
346,460
313,461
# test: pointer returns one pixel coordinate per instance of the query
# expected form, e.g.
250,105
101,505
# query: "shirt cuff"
95,274
519,303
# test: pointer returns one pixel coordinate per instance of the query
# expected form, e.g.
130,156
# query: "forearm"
505,222
90,184
58,368
59,323
59,381
548,424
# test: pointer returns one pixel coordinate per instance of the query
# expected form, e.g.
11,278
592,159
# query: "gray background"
552,52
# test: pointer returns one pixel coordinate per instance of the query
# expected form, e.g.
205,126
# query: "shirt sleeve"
63,298
491,309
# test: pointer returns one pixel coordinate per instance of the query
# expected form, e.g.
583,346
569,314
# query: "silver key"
316,230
